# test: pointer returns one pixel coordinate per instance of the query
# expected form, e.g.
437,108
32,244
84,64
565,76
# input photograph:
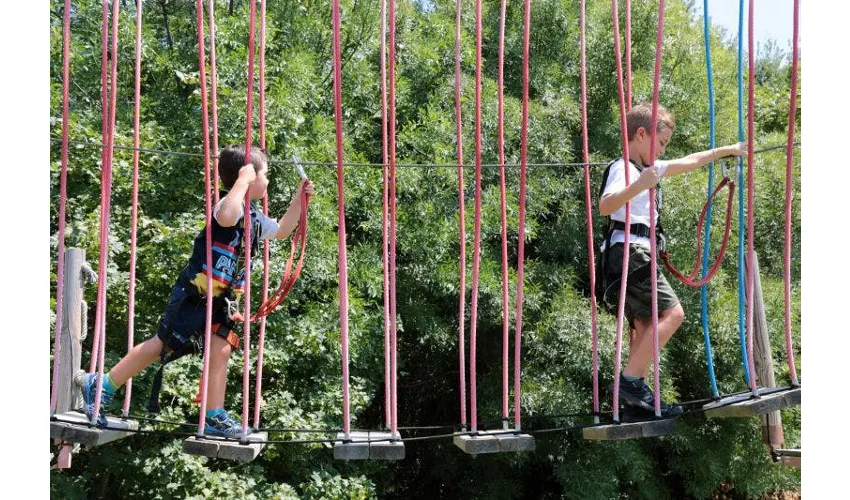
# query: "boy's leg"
219,422
641,352
140,357
217,378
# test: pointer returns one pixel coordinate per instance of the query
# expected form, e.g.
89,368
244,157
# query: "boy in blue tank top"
181,329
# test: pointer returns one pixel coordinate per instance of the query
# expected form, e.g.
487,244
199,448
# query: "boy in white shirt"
645,173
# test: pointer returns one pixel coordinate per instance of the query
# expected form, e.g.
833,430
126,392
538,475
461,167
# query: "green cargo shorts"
639,283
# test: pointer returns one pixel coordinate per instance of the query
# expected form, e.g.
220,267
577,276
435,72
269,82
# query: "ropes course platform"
499,441
368,445
747,405
74,427
227,449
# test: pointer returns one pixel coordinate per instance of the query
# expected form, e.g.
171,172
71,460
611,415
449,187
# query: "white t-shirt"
268,226
640,204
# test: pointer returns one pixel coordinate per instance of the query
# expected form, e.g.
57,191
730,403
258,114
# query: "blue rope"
704,289
742,327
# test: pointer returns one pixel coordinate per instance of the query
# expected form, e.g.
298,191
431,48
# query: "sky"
773,19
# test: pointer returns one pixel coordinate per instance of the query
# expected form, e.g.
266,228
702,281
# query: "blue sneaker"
223,425
89,386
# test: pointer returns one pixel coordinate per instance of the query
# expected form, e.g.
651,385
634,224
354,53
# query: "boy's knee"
221,349
676,314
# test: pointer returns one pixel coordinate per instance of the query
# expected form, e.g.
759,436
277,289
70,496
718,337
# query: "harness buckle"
232,308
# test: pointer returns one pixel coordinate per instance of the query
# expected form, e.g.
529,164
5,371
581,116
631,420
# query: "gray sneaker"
223,425
89,384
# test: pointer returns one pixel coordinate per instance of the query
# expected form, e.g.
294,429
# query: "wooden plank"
226,449
630,430
477,444
385,450
368,445
356,447
515,442
74,427
752,407
496,441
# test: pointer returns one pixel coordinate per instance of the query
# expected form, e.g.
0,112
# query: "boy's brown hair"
641,116
232,159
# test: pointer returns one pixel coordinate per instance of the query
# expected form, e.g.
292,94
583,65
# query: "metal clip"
232,308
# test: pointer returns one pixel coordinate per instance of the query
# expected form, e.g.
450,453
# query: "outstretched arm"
290,219
697,160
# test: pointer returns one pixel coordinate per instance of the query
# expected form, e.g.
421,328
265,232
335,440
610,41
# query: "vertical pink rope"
199,8
134,210
618,342
104,131
789,186
258,385
246,350
385,248
392,179
106,197
522,178
588,211
503,199
213,96
461,219
628,55
340,180
63,190
750,196
476,245
653,255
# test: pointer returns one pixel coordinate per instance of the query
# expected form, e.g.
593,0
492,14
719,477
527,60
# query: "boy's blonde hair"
641,116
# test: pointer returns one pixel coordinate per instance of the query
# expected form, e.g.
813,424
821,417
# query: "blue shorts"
185,318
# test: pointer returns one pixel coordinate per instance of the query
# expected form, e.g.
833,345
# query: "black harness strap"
193,346
615,225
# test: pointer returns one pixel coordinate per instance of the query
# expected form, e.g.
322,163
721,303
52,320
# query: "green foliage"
302,357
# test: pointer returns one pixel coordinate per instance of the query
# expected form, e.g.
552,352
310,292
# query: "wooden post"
771,422
77,272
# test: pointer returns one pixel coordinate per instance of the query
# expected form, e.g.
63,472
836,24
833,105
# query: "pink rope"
750,198
628,54
461,219
521,244
476,246
343,260
384,215
504,209
589,211
106,197
618,342
199,7
246,365
789,185
213,95
258,381
392,179
63,196
134,210
653,255
104,131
